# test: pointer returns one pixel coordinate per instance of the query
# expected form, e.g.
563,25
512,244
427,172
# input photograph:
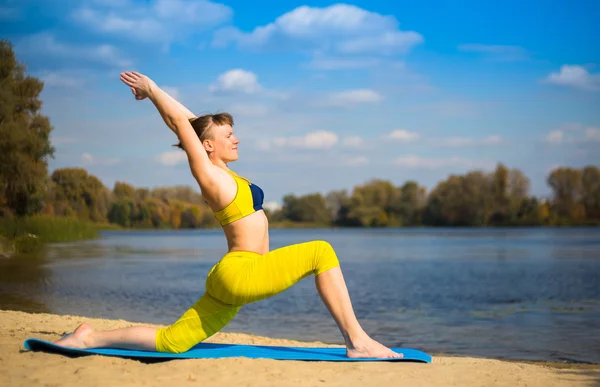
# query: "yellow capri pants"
241,278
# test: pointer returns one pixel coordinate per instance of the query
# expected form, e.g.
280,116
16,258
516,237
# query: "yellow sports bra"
248,199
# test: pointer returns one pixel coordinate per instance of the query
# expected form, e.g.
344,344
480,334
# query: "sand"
19,367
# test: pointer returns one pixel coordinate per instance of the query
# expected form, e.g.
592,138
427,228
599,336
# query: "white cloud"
592,134
334,63
555,137
403,135
573,133
576,77
161,21
172,157
387,43
339,28
412,161
491,140
497,52
313,140
249,109
353,142
469,141
45,44
236,80
349,98
56,79
88,159
356,161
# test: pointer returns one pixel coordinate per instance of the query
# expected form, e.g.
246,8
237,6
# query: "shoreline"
21,367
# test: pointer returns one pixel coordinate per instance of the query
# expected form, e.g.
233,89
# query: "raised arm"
190,116
177,119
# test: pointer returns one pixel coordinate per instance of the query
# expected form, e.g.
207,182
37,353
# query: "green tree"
499,211
590,195
122,190
182,193
459,201
567,193
24,137
529,213
84,193
409,206
190,218
120,212
142,194
372,204
520,204
308,208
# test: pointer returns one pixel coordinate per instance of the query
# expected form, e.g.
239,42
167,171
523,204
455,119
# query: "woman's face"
225,143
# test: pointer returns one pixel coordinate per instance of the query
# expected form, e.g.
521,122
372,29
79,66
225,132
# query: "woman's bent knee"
205,318
326,258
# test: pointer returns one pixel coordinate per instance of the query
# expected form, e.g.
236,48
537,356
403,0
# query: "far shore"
24,368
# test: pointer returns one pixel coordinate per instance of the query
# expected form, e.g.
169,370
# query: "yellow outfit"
243,277
248,199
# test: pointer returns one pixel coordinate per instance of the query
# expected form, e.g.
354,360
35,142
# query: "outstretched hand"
140,84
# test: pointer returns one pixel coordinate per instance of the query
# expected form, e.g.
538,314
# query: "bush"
47,229
28,243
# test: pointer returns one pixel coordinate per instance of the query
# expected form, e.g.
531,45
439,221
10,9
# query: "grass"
28,234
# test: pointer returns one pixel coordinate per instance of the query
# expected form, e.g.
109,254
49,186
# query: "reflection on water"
21,278
509,293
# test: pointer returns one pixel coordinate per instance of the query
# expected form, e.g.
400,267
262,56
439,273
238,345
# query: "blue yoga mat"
218,351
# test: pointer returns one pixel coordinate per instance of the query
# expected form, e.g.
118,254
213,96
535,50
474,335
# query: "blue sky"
325,95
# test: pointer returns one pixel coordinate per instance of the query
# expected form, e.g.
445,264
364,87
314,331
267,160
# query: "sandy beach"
19,367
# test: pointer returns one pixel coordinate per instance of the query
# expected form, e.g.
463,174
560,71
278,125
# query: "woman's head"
215,131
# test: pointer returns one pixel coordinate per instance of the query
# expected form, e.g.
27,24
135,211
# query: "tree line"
499,198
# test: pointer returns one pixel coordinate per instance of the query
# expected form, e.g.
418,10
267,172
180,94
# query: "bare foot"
368,347
81,338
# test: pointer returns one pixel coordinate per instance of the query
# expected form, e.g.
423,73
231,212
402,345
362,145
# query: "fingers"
135,81
127,76
127,80
130,78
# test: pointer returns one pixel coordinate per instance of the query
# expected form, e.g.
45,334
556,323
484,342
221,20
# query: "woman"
249,271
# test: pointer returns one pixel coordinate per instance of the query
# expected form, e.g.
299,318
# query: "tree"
459,201
409,206
24,137
590,181
372,204
567,189
499,211
308,208
123,190
84,193
120,212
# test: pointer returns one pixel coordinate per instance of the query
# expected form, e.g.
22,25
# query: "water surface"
508,293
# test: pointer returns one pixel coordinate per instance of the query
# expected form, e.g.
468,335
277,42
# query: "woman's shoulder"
221,188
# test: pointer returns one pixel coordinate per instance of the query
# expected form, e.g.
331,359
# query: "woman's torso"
248,233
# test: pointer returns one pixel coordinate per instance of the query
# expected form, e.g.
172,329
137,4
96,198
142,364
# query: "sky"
325,95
